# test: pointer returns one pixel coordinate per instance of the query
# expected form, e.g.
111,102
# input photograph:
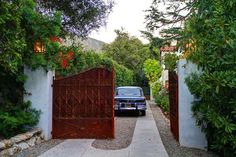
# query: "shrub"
87,60
156,88
162,100
212,47
15,119
123,76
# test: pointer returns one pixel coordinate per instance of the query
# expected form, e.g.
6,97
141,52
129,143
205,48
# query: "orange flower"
70,55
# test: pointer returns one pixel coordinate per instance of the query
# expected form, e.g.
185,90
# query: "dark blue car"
130,98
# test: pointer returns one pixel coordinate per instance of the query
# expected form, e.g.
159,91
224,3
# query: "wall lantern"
39,47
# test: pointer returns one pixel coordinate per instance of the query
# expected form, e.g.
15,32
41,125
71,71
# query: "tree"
208,33
78,17
212,47
168,17
130,52
153,70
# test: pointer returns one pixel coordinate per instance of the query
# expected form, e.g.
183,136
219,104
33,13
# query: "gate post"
190,135
39,87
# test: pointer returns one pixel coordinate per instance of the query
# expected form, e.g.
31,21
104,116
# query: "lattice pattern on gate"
83,105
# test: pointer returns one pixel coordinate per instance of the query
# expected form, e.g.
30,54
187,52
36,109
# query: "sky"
128,14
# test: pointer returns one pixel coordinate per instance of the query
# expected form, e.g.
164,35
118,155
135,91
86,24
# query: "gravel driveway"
124,129
172,147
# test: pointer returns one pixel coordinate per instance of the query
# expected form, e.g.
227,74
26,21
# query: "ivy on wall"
23,30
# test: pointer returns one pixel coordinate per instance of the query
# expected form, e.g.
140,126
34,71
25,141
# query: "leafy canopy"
130,52
78,17
126,50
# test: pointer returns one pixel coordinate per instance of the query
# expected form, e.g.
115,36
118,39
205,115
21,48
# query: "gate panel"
83,105
174,107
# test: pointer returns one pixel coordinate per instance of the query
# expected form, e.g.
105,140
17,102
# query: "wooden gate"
83,105
174,107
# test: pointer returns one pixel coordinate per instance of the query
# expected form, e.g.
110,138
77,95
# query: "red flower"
64,63
70,55
56,39
59,40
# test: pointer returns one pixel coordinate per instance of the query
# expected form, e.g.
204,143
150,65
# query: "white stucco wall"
164,77
38,84
190,135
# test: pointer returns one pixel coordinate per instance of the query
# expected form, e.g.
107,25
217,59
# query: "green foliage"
211,33
79,17
215,109
156,87
170,61
129,52
162,100
169,19
124,50
152,70
123,76
21,26
17,119
209,37
12,42
20,29
87,60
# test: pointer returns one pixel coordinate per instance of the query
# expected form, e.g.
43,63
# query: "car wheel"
143,113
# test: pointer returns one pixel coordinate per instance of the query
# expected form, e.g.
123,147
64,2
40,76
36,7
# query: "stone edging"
19,142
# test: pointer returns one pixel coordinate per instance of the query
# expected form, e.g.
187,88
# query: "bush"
123,76
214,108
162,100
156,88
15,119
88,60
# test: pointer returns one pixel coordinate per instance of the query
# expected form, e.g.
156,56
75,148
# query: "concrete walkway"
146,142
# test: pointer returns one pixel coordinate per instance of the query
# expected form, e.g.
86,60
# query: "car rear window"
129,92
